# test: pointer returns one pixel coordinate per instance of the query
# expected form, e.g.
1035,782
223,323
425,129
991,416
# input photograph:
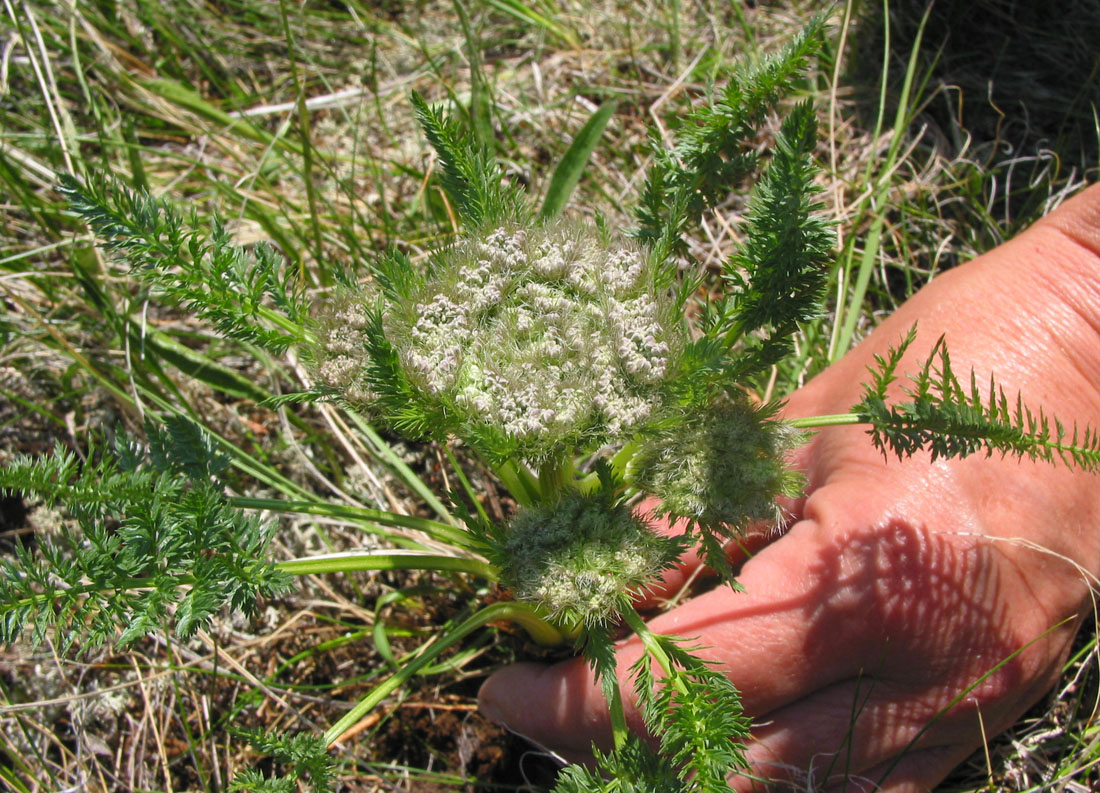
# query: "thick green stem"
538,627
553,477
521,483
498,611
387,560
832,420
652,643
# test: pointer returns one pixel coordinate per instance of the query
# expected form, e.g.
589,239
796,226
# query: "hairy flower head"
582,558
539,337
721,469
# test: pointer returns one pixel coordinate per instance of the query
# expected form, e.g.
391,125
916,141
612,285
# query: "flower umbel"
533,342
343,344
582,558
722,469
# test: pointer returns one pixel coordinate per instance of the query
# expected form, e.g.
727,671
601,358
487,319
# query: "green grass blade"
481,100
848,314
201,367
434,529
186,98
468,488
387,560
568,172
12,781
537,18
493,613
383,451
241,459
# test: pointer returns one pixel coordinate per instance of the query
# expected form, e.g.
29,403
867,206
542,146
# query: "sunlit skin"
899,585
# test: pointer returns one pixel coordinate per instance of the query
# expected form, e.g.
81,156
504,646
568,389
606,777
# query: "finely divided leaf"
470,173
153,543
947,419
695,712
247,293
777,277
714,152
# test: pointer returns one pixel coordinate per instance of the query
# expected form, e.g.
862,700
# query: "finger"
808,617
850,727
916,772
762,634
558,707
676,583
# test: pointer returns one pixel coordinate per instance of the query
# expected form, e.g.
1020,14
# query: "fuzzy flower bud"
582,559
722,469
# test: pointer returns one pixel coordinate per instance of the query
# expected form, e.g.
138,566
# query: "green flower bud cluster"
721,469
541,339
581,559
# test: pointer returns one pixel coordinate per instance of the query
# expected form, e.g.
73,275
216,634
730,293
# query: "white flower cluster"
541,333
343,349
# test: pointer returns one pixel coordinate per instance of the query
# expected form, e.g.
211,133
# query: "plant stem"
652,644
522,485
619,731
832,420
333,563
553,476
516,612
622,459
387,560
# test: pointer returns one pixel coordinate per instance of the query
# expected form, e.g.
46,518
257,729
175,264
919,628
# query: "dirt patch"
450,742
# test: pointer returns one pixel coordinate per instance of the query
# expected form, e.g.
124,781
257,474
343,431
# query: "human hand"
912,606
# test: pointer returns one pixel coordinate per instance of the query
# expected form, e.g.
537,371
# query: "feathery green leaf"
152,541
777,277
305,756
695,712
247,293
470,173
948,420
713,152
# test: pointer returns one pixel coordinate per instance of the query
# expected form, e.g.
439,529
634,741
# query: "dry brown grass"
78,88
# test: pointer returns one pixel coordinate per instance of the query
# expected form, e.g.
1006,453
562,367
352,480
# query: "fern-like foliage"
247,293
696,713
947,419
713,152
305,757
471,174
776,279
152,542
635,768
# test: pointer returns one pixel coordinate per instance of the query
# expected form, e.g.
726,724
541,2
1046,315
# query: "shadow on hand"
902,634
